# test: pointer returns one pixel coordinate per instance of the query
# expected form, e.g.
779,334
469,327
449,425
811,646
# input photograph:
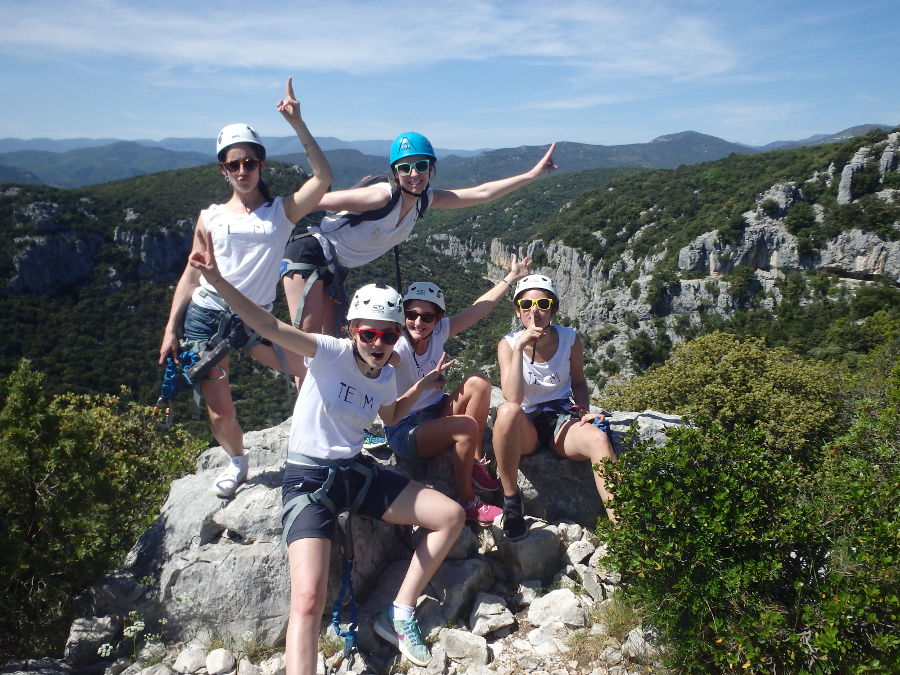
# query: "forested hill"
800,246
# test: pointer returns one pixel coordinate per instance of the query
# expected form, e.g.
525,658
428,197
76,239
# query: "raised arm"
263,322
307,197
488,192
487,302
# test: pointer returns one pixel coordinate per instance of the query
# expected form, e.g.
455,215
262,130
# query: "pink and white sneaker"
482,478
481,513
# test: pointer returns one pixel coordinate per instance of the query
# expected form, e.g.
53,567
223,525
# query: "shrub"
755,562
741,383
83,476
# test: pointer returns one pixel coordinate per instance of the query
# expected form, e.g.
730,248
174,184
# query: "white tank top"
548,381
360,244
249,248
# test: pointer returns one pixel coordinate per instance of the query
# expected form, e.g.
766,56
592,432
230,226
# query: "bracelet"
504,281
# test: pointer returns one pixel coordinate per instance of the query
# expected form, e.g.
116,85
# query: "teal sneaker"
404,634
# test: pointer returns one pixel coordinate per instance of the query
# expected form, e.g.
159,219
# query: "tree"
82,476
795,402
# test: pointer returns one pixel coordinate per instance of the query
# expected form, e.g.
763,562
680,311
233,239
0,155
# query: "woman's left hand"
435,379
589,417
519,268
289,106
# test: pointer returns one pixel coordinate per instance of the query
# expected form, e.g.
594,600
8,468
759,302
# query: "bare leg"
459,434
222,415
514,437
585,442
308,560
472,398
420,505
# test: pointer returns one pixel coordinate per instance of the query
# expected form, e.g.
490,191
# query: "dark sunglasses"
422,166
369,335
248,163
526,304
412,315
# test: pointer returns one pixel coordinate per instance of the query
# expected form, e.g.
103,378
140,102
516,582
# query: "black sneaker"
514,525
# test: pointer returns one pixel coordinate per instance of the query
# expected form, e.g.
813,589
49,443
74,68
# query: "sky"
468,74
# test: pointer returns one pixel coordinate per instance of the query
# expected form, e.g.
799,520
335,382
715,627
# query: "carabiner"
163,413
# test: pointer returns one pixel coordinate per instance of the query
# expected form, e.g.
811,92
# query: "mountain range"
78,162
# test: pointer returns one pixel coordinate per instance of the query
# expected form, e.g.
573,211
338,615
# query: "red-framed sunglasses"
369,335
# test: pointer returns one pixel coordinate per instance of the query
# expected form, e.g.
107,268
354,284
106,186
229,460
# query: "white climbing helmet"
535,281
238,133
376,301
425,290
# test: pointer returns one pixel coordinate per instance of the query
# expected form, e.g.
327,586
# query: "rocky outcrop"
45,264
859,162
162,251
861,255
212,568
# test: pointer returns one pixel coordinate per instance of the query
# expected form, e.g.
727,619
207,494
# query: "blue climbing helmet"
409,144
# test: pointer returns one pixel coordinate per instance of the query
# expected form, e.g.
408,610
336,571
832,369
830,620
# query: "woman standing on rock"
349,381
335,246
249,233
439,422
546,398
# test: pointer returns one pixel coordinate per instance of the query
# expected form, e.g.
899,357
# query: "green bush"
794,401
82,476
750,559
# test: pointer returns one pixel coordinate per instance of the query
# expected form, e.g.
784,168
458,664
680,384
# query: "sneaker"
513,524
482,478
227,482
480,512
373,441
405,634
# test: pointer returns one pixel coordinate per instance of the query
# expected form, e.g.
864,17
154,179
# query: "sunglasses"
234,165
526,304
412,315
369,335
422,166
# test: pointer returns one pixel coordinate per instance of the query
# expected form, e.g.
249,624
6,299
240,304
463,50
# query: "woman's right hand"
528,335
169,347
204,258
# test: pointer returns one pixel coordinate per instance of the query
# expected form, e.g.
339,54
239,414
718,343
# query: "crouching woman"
349,382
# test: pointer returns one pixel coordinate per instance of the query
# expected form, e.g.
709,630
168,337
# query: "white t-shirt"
249,248
337,402
414,367
551,380
362,243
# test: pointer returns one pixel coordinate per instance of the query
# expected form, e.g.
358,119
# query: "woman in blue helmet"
333,248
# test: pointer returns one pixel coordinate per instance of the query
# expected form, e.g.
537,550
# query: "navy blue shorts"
317,520
307,250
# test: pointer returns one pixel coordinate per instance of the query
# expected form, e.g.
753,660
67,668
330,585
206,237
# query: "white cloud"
589,37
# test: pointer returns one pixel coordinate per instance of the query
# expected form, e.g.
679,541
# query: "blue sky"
467,73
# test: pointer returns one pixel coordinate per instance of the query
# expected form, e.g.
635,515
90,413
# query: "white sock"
241,461
403,612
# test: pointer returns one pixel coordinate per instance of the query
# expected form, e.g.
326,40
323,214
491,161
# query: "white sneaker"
226,484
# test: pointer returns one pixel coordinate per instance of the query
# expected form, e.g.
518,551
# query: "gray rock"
528,590
591,582
157,669
274,665
86,635
489,613
578,551
549,638
559,605
534,557
464,647
220,661
190,660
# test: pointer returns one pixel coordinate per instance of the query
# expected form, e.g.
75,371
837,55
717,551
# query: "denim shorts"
201,325
316,520
402,436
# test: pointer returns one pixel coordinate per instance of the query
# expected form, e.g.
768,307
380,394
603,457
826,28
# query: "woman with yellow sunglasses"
546,398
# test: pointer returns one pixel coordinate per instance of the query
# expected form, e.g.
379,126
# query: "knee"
222,419
506,414
478,384
305,603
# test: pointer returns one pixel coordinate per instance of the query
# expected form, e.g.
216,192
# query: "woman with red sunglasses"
249,233
349,381
439,422
546,399
333,248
